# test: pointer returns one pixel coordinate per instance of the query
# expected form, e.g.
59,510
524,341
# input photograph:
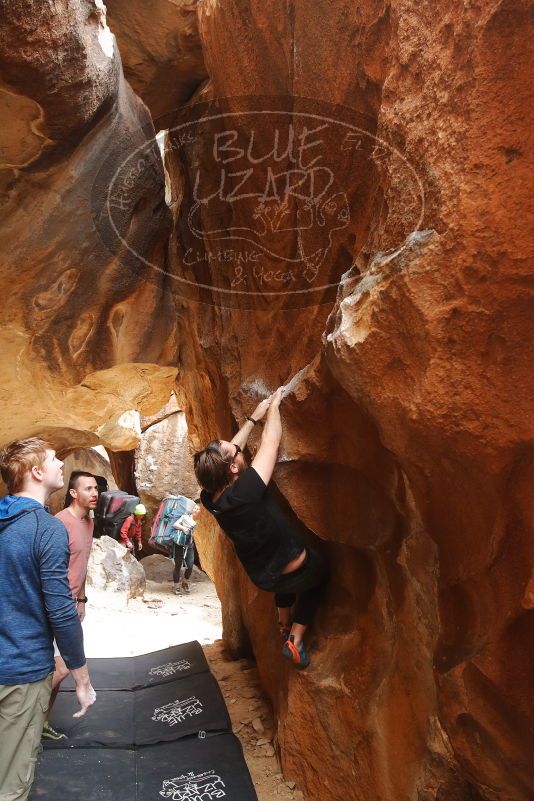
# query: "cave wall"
407,424
406,454
77,301
160,50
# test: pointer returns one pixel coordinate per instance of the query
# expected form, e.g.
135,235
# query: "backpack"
111,511
163,534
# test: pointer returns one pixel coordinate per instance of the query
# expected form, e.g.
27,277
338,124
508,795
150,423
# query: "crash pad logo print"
194,787
178,711
169,668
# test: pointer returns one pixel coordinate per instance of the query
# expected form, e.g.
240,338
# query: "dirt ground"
162,619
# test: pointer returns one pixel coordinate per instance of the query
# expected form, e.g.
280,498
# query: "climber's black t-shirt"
264,539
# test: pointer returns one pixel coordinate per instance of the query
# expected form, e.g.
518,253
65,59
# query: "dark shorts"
312,573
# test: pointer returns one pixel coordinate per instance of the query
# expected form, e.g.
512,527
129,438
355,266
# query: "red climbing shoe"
297,654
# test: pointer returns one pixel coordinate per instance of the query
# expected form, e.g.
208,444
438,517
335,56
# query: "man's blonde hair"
17,458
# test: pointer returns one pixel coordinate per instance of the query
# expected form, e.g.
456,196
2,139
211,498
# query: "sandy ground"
162,619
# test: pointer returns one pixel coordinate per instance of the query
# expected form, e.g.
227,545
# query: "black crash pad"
191,769
134,672
85,774
211,768
154,714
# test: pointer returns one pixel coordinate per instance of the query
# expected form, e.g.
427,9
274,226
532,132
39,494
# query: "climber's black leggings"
302,588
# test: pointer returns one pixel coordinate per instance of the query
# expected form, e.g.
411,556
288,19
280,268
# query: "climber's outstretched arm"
265,460
244,432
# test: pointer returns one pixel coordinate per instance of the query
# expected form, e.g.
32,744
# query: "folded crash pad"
190,769
133,672
153,714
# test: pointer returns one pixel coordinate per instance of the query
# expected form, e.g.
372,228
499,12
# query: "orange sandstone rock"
77,300
408,427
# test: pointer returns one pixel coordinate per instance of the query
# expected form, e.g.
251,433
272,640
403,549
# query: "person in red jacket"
131,529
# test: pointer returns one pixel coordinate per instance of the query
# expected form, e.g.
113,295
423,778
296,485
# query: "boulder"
113,569
163,459
158,567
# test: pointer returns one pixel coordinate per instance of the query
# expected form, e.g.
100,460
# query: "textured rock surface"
160,50
408,430
163,460
79,302
407,436
112,567
158,567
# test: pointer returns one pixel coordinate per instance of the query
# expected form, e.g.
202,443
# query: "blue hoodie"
36,603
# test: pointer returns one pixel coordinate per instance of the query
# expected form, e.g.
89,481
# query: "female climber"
266,543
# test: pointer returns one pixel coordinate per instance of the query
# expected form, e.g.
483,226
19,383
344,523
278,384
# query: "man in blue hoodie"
36,606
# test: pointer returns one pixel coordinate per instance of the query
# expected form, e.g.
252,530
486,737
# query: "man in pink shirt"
83,494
